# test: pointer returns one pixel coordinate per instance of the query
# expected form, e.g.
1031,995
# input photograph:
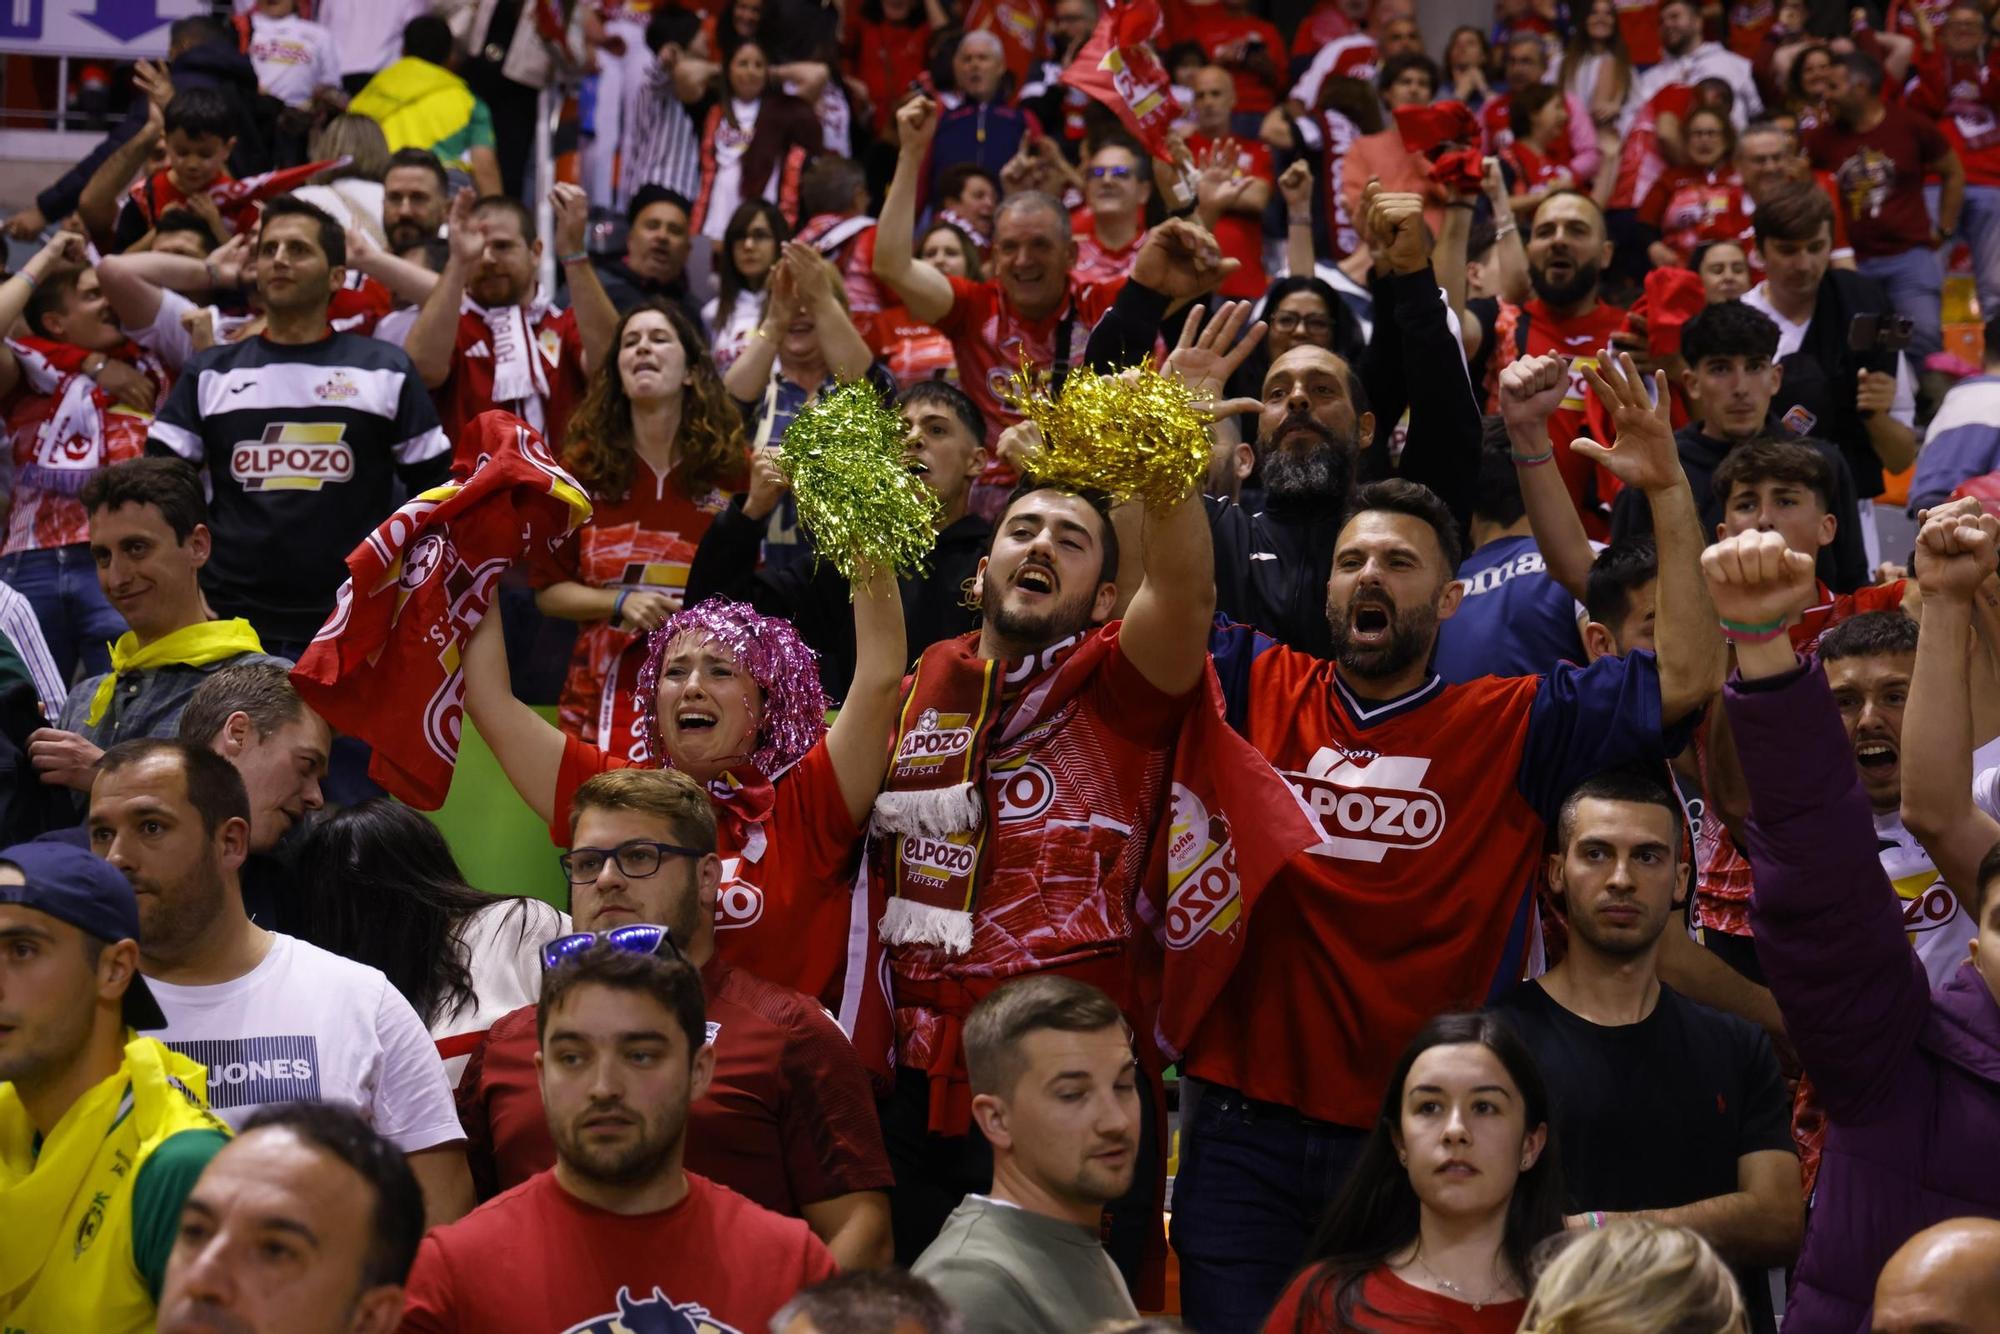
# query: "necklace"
1478,1304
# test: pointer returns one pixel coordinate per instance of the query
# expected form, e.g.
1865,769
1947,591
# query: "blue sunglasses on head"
634,938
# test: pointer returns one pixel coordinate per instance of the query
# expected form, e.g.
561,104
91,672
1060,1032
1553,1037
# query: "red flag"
232,197
1118,68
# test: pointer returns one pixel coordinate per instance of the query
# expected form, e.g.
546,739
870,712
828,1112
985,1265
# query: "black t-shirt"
302,445
1654,1115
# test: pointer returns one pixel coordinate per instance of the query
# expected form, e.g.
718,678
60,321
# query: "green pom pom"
856,494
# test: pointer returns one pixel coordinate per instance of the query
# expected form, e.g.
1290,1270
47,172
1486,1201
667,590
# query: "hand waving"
1643,454
1182,260
1207,357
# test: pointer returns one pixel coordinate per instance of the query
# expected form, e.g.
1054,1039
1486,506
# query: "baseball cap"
90,894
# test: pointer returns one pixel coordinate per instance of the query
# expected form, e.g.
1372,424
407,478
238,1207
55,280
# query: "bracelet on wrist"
618,607
1595,1218
573,257
33,280
1748,632
1530,460
1499,232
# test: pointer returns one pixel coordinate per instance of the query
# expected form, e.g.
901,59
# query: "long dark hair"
710,442
380,887
1377,1212
729,279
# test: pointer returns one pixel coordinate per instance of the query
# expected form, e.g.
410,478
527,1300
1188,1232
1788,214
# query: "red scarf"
235,199
386,664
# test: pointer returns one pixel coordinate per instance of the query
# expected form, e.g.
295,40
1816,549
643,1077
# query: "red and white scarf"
519,378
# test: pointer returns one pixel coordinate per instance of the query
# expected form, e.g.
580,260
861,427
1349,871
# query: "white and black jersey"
301,444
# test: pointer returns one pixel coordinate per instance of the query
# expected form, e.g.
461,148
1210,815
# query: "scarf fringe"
930,812
908,922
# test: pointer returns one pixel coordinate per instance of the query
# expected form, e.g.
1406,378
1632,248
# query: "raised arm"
819,286
1829,926
923,289
98,204
1691,653
1955,555
858,742
1531,389
64,251
1296,185
405,280
434,335
134,283
1510,254
528,746
596,317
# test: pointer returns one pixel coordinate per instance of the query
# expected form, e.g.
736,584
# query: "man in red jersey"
617,1235
1567,252
488,336
788,1120
1959,86
1435,798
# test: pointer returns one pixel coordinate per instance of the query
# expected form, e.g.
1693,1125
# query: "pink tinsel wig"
776,658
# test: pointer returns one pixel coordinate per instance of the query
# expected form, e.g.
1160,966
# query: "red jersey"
1533,170
1241,235
1095,262
1324,26
1352,57
1077,792
1722,878
1961,95
1216,26
1394,1305
1496,123
551,371
63,429
787,911
1639,160
911,349
788,1119
1881,178
539,1258
1422,898
1579,339
644,541
1689,207
991,339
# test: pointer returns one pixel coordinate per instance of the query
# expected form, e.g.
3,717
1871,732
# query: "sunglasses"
637,859
1111,173
635,938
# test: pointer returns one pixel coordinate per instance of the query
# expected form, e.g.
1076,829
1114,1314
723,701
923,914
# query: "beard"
174,914
630,1163
404,236
1319,473
1411,634
1582,282
1063,616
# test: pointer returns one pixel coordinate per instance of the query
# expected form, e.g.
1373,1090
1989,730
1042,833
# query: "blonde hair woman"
352,193
1635,1276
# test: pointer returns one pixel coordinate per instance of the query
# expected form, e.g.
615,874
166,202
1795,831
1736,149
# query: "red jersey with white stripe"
552,338
1098,263
1422,898
63,428
786,911
1640,161
1689,206
1963,96
1580,339
992,338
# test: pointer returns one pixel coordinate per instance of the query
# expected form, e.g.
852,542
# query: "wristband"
30,279
618,607
1499,232
573,257
1530,460
1595,1218
1745,632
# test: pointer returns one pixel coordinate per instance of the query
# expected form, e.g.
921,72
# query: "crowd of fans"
1396,884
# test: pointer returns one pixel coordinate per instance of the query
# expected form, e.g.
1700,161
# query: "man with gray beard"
1318,437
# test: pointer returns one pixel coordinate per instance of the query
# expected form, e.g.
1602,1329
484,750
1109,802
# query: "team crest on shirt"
657,1314
337,388
1370,808
936,738
551,345
293,456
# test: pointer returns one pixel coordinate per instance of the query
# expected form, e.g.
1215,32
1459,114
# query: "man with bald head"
1945,1280
979,125
1236,213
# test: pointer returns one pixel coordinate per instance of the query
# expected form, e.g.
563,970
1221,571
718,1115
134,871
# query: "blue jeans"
60,583
1915,283
1255,1179
1979,228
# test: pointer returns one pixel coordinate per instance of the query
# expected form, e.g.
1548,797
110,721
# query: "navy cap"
89,893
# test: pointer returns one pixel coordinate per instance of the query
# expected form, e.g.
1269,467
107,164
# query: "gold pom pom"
857,497
1135,435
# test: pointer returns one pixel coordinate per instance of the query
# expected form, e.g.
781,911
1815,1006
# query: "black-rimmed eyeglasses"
636,859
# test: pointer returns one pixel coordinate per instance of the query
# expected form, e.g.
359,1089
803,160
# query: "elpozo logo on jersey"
1204,893
937,737
738,903
293,456
1369,810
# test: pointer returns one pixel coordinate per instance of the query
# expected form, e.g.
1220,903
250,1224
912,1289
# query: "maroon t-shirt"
788,1120
1880,178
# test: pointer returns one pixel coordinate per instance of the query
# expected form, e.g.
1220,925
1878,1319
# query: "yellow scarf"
194,646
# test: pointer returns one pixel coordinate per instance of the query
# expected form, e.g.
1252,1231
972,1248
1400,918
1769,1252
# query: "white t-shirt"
292,57
1939,927
502,948
732,141
308,1025
368,33
169,340
1791,335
